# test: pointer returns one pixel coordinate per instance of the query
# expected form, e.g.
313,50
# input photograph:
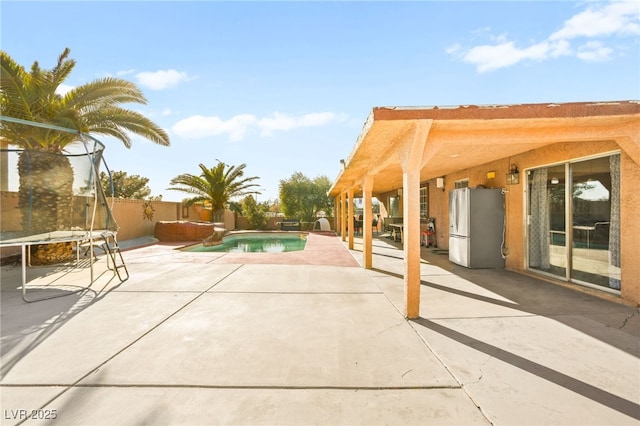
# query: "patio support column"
411,161
343,217
350,217
336,214
367,234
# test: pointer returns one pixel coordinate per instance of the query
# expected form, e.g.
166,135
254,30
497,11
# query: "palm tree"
94,107
216,185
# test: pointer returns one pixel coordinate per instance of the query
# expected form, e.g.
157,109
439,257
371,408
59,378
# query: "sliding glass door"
595,218
574,221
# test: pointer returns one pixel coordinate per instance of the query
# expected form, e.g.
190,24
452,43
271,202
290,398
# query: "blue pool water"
255,243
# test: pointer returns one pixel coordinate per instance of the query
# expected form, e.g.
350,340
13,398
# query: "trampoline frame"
79,237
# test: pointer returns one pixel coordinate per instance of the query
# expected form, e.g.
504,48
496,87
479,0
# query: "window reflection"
591,220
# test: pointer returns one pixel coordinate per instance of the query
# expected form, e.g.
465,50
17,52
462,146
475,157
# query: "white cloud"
236,127
125,72
594,51
159,80
319,119
454,49
560,48
614,19
197,126
619,18
63,89
492,57
279,121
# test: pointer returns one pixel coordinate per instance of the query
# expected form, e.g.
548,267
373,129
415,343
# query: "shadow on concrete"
594,393
24,326
564,305
534,296
554,301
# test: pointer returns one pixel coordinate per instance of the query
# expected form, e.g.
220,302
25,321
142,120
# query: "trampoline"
56,197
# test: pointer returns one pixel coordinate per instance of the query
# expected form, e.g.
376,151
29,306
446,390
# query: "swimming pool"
255,242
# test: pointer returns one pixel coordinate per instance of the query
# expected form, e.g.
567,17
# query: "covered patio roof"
461,137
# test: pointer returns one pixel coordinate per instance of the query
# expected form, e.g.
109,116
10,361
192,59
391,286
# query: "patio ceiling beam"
389,156
467,136
512,111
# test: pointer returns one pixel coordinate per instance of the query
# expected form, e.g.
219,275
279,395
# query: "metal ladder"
111,248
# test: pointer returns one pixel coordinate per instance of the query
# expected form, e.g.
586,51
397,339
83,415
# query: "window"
462,183
394,206
424,201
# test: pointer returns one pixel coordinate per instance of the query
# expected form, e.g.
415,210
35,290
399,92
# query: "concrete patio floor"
312,338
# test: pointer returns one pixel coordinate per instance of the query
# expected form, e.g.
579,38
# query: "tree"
254,212
125,186
216,186
303,198
94,107
273,206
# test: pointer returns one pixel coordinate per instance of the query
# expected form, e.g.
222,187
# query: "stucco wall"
128,214
515,203
630,227
10,217
439,198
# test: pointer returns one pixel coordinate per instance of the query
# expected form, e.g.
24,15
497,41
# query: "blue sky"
285,87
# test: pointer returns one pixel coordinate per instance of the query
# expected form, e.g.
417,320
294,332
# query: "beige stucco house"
569,175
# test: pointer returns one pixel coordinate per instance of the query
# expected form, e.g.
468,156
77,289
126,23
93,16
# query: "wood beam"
367,220
410,154
351,217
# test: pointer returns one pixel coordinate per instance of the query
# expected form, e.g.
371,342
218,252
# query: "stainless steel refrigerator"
476,227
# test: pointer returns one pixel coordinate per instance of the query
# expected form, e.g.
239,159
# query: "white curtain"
614,219
539,223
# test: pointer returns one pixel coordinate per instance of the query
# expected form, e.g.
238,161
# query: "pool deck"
312,338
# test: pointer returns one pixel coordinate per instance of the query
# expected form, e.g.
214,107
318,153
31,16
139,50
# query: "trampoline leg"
25,261
91,261
24,274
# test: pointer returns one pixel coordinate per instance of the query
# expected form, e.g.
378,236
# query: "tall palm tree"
94,107
216,185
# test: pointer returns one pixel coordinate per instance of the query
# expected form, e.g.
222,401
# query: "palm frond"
94,107
216,185
106,91
13,98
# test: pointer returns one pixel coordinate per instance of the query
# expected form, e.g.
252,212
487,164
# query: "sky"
286,87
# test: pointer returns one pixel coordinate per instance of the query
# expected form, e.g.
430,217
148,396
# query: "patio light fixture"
513,177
